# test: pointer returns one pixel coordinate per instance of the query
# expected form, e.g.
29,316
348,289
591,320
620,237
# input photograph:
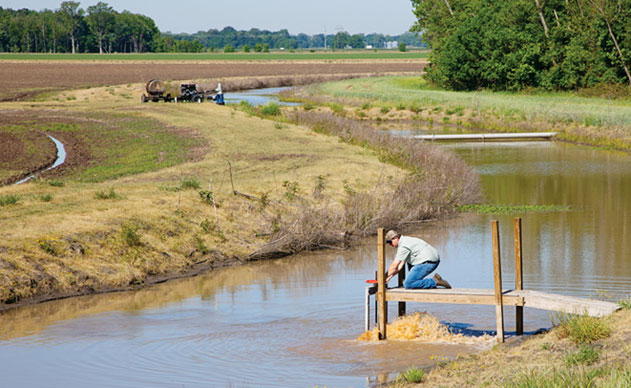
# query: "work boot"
441,282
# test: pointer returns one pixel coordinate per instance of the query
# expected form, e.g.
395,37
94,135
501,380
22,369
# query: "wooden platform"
519,298
526,298
489,136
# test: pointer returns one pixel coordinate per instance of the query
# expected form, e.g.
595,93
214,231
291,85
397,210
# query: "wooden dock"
518,297
488,136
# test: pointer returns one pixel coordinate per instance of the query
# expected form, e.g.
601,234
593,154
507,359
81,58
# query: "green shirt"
415,251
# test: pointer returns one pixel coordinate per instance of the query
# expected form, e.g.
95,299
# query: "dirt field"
21,80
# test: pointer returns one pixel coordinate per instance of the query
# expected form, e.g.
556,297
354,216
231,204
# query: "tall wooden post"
519,280
401,277
497,275
381,284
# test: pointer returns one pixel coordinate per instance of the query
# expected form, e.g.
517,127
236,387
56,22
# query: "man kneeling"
422,257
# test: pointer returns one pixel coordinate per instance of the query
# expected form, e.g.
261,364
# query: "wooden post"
497,275
367,310
401,280
519,277
381,284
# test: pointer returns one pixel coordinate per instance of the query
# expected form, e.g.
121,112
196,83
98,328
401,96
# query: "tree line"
230,37
519,44
70,29
100,28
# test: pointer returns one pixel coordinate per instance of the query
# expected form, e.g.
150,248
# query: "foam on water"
425,328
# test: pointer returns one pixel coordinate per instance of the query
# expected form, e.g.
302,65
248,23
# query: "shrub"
50,245
403,47
385,109
582,329
228,48
271,109
266,48
129,235
258,47
412,375
246,48
207,196
291,189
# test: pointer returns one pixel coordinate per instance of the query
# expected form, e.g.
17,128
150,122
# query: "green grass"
561,107
412,375
9,199
625,303
571,378
111,194
585,354
190,183
582,329
511,209
122,145
272,56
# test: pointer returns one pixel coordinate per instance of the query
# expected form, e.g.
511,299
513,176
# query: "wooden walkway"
518,298
489,136
525,298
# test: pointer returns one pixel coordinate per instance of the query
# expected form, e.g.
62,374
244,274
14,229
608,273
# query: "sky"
391,17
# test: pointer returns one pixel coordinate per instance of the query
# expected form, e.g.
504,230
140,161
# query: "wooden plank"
454,296
497,276
567,304
381,285
487,136
519,277
401,278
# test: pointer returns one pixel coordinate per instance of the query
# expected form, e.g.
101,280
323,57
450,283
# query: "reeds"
437,183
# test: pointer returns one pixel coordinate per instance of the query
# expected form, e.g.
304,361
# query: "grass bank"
600,122
117,218
579,352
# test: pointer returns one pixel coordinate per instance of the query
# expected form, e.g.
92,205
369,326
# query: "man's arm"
394,269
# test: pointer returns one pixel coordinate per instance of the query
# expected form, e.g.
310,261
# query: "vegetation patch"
412,375
511,209
582,329
9,199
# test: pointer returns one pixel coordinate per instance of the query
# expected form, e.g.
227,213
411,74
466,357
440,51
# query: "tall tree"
609,10
71,15
100,20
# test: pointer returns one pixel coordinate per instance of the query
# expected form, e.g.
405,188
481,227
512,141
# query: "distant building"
368,47
391,45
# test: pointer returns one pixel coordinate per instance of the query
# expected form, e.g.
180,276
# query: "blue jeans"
416,277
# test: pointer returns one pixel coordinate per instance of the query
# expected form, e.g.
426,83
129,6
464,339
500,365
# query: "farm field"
21,80
158,190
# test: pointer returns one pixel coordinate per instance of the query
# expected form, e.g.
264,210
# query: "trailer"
155,92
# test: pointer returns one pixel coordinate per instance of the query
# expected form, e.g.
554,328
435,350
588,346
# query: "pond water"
258,97
294,322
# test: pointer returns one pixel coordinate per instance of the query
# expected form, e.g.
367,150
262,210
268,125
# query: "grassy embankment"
154,191
298,55
580,352
599,122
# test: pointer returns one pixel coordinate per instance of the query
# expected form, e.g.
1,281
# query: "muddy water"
293,322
